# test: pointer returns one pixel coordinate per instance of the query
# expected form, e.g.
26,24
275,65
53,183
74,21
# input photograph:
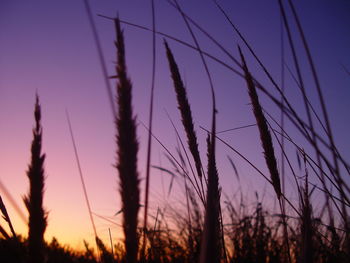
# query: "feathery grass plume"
265,135
211,238
127,152
6,216
89,252
185,109
266,141
34,200
106,256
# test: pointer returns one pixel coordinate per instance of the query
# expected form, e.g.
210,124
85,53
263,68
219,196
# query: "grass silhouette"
208,228
34,200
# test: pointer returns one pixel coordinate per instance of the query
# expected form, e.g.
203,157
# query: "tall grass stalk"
326,119
335,172
314,75
186,115
13,202
211,233
182,145
127,152
149,142
210,80
187,189
267,144
7,217
83,182
284,155
211,238
176,163
4,233
213,192
182,42
297,122
265,136
315,137
34,199
111,241
307,106
314,166
100,56
306,222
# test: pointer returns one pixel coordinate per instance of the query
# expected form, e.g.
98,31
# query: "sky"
47,47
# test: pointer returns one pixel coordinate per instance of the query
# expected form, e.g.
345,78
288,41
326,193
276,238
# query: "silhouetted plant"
127,152
34,199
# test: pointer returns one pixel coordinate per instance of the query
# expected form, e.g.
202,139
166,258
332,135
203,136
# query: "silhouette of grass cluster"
209,228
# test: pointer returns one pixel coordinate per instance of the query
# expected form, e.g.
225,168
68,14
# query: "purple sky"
47,47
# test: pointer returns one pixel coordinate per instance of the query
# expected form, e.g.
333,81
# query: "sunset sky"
48,47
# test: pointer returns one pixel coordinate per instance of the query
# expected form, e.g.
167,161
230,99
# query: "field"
174,131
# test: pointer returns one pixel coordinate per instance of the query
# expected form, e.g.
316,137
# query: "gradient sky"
47,47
